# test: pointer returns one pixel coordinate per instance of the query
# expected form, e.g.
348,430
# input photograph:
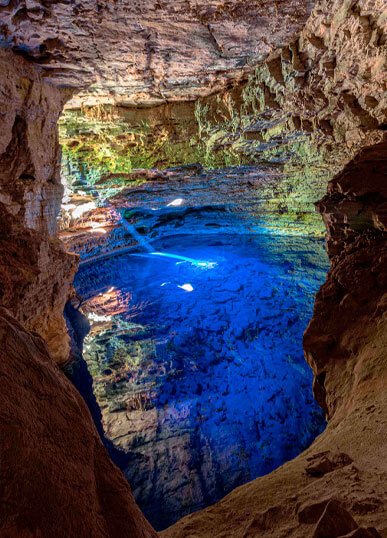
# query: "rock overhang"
138,53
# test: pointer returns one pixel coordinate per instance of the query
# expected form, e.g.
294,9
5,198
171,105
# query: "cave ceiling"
130,52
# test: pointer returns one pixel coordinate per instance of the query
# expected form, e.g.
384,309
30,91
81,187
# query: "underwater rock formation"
203,385
346,345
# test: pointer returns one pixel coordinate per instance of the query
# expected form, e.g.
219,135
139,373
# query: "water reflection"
198,370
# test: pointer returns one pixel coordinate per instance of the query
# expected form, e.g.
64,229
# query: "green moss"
230,129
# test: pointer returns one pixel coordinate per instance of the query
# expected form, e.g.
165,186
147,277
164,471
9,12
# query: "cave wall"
36,273
350,308
148,52
56,477
331,80
31,189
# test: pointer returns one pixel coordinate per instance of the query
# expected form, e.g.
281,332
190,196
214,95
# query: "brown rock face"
350,306
330,81
35,282
36,273
30,186
334,522
56,478
136,52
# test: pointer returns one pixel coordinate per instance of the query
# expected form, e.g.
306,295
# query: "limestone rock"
30,185
35,271
311,513
322,464
136,52
361,532
56,477
334,522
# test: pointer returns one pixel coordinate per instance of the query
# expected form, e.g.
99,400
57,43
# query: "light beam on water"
146,245
134,233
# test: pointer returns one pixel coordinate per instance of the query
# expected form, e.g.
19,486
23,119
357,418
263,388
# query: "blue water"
198,368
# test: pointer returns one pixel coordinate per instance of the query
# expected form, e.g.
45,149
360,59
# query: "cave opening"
196,138
200,258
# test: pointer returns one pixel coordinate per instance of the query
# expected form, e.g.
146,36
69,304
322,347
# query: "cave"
193,269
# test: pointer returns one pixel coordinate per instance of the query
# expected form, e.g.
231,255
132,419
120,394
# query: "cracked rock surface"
145,51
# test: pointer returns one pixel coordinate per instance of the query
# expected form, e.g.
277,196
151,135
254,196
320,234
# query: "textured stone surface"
35,282
334,522
356,287
149,51
330,82
36,273
56,477
332,78
30,186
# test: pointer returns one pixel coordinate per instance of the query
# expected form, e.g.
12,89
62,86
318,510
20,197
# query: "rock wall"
327,85
56,477
350,307
36,273
136,52
331,79
31,190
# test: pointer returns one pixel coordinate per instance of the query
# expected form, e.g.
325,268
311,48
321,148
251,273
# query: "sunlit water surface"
198,367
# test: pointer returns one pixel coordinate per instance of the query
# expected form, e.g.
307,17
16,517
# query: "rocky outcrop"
56,477
331,79
335,487
327,85
148,51
36,273
350,306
